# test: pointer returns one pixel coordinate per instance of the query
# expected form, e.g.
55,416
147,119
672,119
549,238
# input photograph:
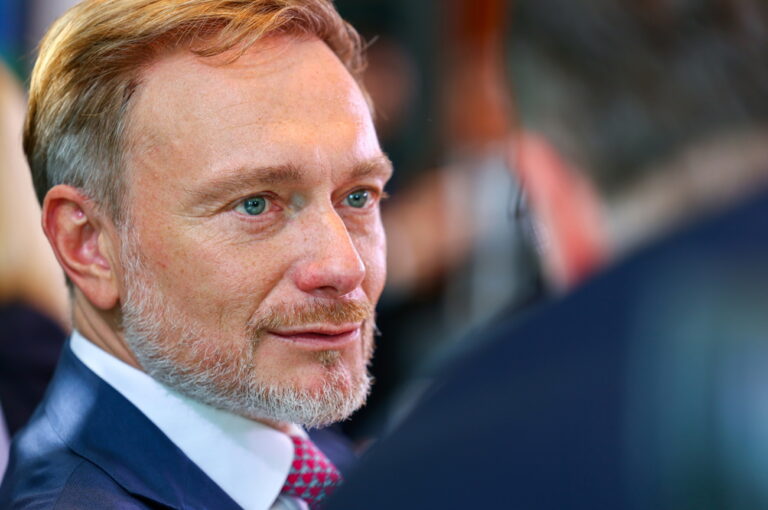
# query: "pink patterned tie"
312,476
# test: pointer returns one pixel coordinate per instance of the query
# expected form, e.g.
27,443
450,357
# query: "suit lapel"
99,424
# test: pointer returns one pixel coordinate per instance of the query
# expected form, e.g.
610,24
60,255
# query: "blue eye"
253,206
357,199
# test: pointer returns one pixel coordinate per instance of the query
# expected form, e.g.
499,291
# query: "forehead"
283,101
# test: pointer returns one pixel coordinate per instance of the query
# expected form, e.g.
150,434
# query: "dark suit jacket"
86,446
643,389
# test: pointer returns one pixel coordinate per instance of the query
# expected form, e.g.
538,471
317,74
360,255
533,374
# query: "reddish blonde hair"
90,64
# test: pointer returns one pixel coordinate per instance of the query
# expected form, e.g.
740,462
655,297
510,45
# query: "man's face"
254,253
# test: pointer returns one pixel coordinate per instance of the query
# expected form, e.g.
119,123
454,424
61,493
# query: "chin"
320,396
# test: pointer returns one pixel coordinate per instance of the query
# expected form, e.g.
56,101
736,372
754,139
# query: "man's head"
211,179
636,114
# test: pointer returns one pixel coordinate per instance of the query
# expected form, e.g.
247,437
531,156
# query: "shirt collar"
248,460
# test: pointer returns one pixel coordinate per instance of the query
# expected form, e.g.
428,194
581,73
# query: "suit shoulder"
90,487
87,486
43,473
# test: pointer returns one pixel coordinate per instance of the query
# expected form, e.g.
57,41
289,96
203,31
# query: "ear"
81,238
566,209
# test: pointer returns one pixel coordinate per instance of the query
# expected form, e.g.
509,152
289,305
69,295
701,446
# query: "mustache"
295,314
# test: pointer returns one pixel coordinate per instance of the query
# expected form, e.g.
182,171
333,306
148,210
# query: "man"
210,179
642,147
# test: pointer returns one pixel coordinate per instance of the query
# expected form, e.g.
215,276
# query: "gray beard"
223,377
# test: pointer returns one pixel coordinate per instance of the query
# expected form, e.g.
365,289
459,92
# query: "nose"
331,266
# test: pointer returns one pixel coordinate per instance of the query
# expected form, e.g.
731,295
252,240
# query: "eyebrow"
379,165
234,182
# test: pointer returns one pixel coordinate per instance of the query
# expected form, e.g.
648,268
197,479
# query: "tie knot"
312,477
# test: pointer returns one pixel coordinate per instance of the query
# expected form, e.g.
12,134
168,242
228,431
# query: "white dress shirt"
248,460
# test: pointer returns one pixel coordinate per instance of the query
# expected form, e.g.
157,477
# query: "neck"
102,328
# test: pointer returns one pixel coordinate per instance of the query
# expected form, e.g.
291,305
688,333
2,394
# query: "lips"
320,336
